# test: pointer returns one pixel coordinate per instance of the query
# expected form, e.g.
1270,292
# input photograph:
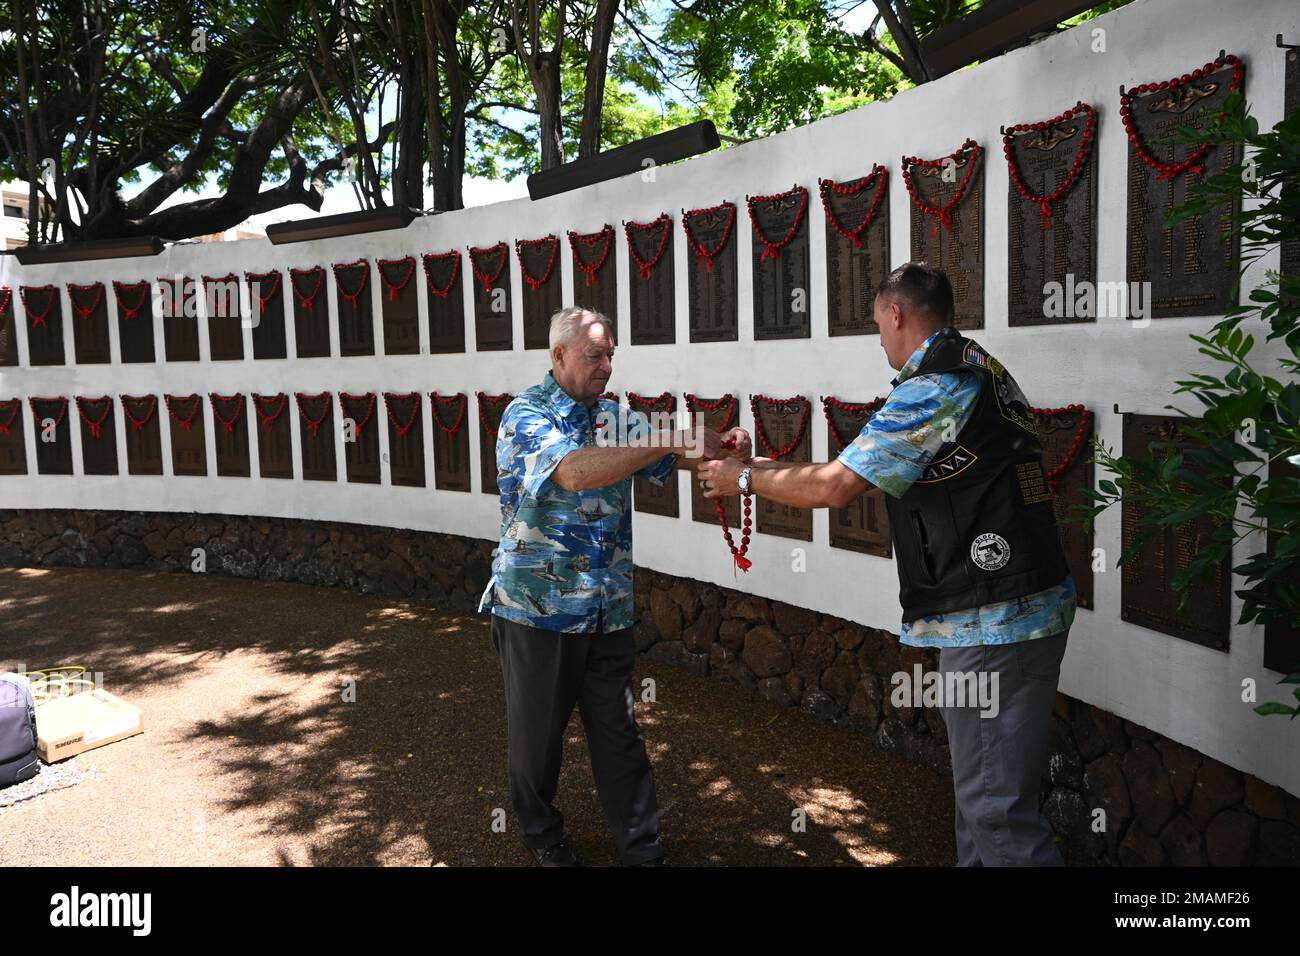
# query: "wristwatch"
743,481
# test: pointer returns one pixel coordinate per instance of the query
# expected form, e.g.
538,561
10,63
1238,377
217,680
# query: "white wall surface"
1187,692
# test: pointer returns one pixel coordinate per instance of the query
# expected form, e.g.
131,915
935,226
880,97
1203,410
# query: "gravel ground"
252,756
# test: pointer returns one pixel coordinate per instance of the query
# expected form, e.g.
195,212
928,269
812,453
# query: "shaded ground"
251,756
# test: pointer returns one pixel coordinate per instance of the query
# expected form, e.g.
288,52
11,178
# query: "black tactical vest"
978,525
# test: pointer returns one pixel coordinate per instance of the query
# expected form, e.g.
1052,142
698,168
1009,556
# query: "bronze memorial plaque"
143,437
13,443
356,315
947,225
274,440
646,495
360,437
490,410
1147,596
595,276
8,335
311,312
53,435
89,323
442,276
134,320
720,414
1066,436
1291,102
538,259
316,436
98,435
405,439
44,323
1281,637
857,250
230,434
189,448
1051,213
266,299
650,281
712,273
492,323
1189,268
780,265
864,525
400,305
225,323
451,470
781,432
178,299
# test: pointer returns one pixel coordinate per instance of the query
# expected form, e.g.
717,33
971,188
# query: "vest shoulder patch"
949,466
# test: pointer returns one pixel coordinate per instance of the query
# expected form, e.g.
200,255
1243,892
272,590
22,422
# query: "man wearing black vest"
981,572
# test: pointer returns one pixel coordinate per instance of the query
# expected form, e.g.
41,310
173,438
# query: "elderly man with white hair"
561,587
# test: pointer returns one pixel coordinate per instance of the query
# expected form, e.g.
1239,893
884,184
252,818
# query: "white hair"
564,322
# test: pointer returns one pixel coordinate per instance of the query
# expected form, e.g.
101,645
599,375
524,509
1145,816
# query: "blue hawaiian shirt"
922,414
565,557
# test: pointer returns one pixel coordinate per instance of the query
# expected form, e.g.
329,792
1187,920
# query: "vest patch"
990,551
951,464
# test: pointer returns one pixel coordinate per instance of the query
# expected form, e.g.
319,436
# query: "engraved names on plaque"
864,525
135,317
595,276
405,439
189,448
400,306
661,413
230,434
360,437
541,287
1051,212
266,299
490,410
451,468
13,444
53,435
44,323
1188,268
446,301
143,437
356,311
712,273
857,249
650,281
8,333
274,440
781,427
225,327
89,323
1066,437
311,315
947,227
781,268
98,435
721,415
1147,594
492,323
316,436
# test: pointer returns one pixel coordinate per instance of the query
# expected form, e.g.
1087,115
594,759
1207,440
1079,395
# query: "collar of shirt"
561,400
914,361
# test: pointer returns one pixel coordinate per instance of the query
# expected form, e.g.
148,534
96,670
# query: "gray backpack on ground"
17,730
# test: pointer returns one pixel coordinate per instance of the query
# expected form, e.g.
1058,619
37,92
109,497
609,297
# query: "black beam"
343,224
995,27
93,249
679,143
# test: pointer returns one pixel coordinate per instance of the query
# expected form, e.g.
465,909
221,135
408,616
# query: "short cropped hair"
922,288
563,322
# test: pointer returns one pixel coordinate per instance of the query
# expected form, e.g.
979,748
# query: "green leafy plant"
1237,468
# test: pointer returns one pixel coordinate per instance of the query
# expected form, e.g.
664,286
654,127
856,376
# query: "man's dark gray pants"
997,762
545,674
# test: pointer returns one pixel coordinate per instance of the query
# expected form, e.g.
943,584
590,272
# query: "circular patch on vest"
990,551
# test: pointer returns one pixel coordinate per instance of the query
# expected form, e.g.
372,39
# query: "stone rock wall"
1163,802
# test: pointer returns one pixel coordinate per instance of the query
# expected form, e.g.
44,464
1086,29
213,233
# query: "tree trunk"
593,99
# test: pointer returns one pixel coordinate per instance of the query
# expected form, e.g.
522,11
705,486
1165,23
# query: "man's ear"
556,354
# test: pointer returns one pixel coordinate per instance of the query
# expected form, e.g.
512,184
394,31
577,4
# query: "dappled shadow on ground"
321,726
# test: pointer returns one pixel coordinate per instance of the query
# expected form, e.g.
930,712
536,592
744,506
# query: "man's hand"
744,444
718,478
